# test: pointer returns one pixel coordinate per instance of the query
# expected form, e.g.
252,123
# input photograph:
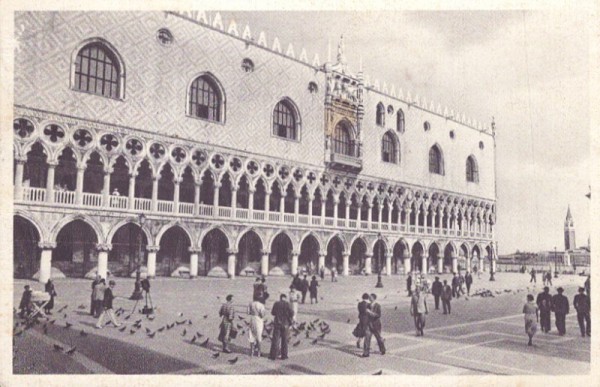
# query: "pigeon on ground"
58,347
61,309
52,321
68,325
307,334
205,316
193,340
380,372
216,355
82,307
139,321
322,336
65,315
19,333
205,343
127,317
184,332
132,331
180,314
45,330
240,317
396,307
189,322
148,330
314,341
123,328
199,334
71,351
161,329
233,361
151,335
349,320
150,317
297,343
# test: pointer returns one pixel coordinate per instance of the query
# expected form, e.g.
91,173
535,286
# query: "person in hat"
283,318
530,310
107,303
227,314
581,302
25,304
544,303
560,305
50,289
436,290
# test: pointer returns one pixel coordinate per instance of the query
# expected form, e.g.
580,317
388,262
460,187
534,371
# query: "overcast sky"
528,69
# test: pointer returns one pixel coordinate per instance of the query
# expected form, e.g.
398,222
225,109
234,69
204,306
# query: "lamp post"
379,283
555,264
137,290
492,262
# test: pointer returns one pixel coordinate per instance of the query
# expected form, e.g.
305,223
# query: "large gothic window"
285,121
472,170
380,119
97,71
342,141
388,149
436,161
206,99
400,121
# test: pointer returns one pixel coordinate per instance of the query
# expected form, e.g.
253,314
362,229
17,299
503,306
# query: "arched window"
206,99
341,142
400,121
436,161
98,71
380,119
388,149
285,122
472,170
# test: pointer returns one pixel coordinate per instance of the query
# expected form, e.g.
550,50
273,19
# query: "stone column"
406,260
323,203
176,184
19,179
424,268
216,199
233,202
346,264
50,182
194,262
481,264
264,263
440,265
370,216
196,198
321,261
379,214
388,264
368,263
79,184
493,265
131,195
103,250
231,263
106,188
46,261
154,204
348,202
151,263
294,262
469,263
267,202
336,202
282,205
296,207
310,208
250,203
454,263
390,209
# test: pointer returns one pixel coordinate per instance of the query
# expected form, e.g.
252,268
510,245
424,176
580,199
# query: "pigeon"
148,330
297,343
180,322
396,307
52,321
83,333
58,347
314,341
150,317
81,307
127,317
132,331
189,322
65,315
199,334
205,343
123,328
151,335
19,333
180,314
380,372
385,297
184,332
307,334
239,326
138,321
216,355
68,325
193,340
61,309
205,316
233,361
322,336
240,317
71,351
161,329
45,330
349,319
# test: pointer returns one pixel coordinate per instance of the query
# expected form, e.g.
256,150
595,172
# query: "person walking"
98,297
418,309
363,322
461,283
283,319
304,288
313,290
92,305
409,284
374,326
530,311
581,302
296,282
455,285
107,304
257,313
227,314
560,305
468,282
549,277
49,288
294,299
333,274
446,297
322,272
533,277
544,303
436,290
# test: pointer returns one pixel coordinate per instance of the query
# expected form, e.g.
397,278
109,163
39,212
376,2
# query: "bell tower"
569,232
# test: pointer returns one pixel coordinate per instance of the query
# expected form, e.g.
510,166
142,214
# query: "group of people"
541,310
25,306
302,286
369,324
546,277
101,301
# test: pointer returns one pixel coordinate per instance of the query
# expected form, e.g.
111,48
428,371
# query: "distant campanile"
569,232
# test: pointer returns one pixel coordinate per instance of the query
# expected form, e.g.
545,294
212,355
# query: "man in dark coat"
25,304
374,329
581,302
436,290
304,288
544,303
363,319
93,311
446,297
227,314
455,285
282,320
409,284
533,277
257,290
468,282
560,305
297,282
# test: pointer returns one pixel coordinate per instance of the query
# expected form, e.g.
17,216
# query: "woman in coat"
257,312
49,288
530,310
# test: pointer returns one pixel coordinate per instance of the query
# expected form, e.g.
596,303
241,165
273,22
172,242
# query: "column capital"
152,248
295,253
217,185
231,251
47,245
134,175
368,255
81,166
252,190
177,180
195,250
107,170
52,163
344,254
104,247
20,160
263,252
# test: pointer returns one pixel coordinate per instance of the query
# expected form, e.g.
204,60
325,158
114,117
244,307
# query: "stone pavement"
481,336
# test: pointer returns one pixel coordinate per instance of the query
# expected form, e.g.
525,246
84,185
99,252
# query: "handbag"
233,332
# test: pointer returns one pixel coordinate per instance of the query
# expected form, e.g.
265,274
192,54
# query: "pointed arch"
286,119
390,148
135,221
172,224
436,160
472,169
286,233
380,114
206,98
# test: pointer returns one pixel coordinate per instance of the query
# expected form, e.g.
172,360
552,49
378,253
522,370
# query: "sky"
527,69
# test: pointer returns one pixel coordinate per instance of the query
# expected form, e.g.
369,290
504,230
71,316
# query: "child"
313,290
25,304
